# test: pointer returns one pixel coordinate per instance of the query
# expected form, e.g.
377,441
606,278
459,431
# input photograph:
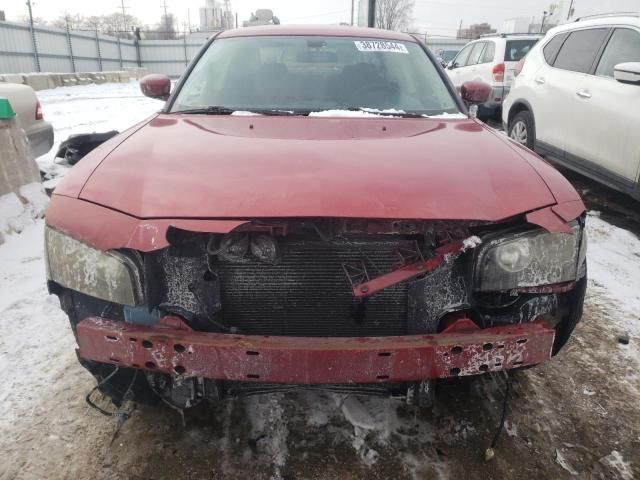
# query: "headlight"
109,276
529,259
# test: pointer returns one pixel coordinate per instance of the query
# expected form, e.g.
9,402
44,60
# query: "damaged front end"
350,305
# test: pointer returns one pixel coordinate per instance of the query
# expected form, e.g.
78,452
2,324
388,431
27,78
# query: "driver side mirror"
451,65
628,72
474,93
156,86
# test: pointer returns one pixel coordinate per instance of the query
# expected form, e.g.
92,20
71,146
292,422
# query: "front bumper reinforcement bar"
172,347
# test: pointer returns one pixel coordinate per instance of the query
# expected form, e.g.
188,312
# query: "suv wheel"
522,130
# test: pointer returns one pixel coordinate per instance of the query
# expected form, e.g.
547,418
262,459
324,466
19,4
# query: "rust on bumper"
172,347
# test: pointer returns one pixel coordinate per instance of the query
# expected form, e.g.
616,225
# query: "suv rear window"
517,49
579,51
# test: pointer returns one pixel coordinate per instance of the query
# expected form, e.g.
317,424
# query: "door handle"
540,80
583,93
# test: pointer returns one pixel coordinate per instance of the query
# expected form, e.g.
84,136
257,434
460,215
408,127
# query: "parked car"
491,59
445,56
321,211
577,97
26,104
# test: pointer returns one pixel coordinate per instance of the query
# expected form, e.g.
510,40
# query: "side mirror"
451,65
627,72
156,86
474,93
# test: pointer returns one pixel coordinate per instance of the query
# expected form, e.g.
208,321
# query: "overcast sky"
438,17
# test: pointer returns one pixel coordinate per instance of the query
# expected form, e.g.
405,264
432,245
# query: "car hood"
197,166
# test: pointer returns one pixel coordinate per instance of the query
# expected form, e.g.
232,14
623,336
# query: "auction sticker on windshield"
380,46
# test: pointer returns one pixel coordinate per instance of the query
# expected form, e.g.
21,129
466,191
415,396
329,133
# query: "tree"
394,14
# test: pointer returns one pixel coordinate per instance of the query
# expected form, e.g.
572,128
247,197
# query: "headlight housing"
109,276
529,259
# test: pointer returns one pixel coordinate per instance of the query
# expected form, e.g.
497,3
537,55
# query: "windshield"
517,49
310,74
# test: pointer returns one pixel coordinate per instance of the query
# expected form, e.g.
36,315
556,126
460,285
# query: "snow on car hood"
196,166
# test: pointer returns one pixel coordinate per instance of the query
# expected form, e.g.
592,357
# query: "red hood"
194,166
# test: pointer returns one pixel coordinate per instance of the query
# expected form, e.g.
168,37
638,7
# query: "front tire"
522,129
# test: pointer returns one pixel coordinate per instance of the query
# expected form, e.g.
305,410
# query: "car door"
556,82
459,69
606,122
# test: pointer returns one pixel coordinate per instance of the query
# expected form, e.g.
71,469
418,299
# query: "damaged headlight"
529,259
109,276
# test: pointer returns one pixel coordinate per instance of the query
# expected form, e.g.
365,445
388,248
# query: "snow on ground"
37,345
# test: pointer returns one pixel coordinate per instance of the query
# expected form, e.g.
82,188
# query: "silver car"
25,103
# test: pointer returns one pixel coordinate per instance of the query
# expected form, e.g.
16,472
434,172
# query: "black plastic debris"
77,146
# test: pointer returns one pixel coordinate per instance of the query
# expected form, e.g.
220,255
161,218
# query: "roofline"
607,15
317,30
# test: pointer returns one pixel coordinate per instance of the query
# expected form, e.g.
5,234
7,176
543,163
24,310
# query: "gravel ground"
577,416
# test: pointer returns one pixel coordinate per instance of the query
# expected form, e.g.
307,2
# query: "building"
216,16
262,16
516,25
475,31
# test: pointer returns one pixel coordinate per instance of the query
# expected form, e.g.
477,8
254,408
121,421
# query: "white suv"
576,99
492,60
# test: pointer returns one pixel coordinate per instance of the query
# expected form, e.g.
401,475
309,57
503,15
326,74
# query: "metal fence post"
72,60
36,55
98,50
120,53
138,57
186,56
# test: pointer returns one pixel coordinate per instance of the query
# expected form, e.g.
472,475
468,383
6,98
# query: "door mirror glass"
156,86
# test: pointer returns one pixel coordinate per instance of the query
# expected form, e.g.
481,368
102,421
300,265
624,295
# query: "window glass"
476,53
580,50
515,50
552,48
489,53
624,46
308,74
461,59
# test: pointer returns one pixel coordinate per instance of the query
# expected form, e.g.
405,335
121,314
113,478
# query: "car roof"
317,30
598,20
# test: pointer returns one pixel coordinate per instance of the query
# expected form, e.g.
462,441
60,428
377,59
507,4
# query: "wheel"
522,129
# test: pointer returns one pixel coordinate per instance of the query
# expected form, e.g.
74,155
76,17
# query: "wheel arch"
518,106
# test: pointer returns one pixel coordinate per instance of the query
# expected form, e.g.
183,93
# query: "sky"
437,17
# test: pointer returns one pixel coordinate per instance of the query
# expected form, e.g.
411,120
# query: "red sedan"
313,207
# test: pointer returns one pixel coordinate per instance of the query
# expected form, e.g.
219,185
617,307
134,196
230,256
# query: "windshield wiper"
211,110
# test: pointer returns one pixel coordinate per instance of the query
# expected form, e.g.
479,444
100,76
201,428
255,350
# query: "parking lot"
576,416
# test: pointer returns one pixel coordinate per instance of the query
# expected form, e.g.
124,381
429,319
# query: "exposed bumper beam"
172,347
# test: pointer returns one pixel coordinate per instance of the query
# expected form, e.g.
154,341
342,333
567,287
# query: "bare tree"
394,14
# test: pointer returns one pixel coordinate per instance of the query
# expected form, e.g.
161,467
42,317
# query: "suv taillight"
519,66
498,72
39,115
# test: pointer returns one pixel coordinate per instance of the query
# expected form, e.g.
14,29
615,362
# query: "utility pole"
189,18
570,12
353,5
544,17
371,21
236,19
166,16
124,16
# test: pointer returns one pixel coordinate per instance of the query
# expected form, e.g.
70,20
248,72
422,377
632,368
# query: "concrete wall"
43,81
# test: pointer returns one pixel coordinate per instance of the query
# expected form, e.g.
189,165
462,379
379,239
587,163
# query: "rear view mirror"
627,73
156,86
474,93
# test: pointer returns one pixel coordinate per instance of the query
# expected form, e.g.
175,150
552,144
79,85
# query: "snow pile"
615,461
470,243
19,210
613,256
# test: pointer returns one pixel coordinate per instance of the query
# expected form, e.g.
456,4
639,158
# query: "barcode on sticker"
380,46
